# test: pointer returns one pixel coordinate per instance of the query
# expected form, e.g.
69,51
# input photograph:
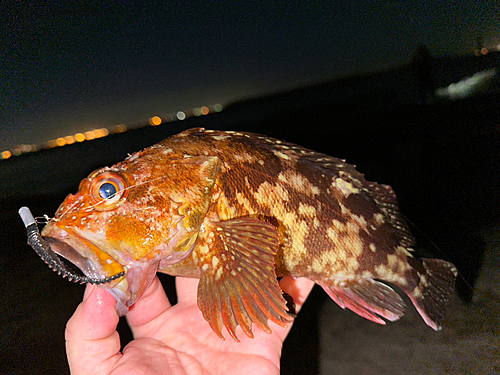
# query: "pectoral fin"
238,284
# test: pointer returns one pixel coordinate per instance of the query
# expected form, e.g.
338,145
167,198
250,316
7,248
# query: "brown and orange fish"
237,210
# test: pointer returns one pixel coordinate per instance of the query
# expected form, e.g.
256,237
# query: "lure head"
129,217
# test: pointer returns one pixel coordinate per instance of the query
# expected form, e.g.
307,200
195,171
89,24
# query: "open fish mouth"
54,253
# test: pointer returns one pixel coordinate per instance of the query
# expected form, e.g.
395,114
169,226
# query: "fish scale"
238,210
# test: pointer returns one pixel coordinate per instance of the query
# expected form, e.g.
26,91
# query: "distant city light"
6,154
99,133
27,148
69,139
484,51
103,132
466,86
119,128
89,135
155,121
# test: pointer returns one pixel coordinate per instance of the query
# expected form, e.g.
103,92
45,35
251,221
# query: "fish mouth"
72,256
72,259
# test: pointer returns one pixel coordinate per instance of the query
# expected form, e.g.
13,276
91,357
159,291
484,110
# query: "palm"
175,339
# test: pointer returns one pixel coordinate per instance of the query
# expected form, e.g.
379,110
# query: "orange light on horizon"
79,137
60,142
205,110
119,128
484,51
90,135
69,139
99,133
155,121
6,154
52,143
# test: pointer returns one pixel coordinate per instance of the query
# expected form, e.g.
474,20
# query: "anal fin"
368,298
238,284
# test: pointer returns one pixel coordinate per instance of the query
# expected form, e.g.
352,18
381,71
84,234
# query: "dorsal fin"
382,195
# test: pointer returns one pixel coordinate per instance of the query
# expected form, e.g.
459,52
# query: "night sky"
67,69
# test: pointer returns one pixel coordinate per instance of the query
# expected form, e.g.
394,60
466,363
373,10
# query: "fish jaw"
93,258
83,253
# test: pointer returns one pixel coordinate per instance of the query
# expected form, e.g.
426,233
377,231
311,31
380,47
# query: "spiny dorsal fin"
386,201
383,195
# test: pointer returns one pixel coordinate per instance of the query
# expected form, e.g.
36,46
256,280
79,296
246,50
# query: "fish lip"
94,262
68,252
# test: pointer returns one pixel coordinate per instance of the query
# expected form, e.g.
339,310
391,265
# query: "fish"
239,210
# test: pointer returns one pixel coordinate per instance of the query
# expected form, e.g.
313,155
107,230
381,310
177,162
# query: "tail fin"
436,287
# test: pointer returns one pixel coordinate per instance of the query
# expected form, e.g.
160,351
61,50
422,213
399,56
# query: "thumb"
92,343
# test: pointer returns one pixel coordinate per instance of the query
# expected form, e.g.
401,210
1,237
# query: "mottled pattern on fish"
237,210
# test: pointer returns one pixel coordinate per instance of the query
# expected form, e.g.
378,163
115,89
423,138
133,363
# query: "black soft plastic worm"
42,248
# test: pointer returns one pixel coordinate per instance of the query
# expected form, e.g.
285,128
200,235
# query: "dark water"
441,159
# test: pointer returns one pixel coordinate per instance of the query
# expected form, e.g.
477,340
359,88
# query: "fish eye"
108,190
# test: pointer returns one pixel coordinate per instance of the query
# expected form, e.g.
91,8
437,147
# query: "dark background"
68,70
68,67
441,159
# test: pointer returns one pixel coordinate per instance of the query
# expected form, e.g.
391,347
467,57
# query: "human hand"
169,339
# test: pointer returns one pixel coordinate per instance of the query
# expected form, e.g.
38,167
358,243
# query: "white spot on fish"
316,223
345,187
221,137
307,210
299,182
379,218
281,155
219,273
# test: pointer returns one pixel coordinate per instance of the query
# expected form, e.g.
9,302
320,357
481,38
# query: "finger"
298,289
92,343
152,303
187,289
